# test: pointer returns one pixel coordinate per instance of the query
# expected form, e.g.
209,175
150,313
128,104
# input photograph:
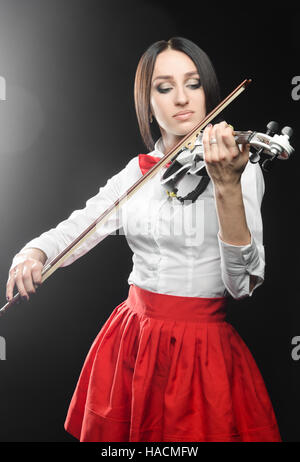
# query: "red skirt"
170,368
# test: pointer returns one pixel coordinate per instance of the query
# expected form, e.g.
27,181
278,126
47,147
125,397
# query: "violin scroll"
272,128
272,144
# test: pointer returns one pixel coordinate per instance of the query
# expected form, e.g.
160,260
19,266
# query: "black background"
69,124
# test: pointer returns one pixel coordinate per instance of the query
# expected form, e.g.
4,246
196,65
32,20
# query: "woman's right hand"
26,273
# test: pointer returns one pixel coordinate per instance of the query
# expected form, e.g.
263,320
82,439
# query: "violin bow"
187,142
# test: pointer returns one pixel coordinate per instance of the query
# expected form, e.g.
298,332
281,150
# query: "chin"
186,125
185,129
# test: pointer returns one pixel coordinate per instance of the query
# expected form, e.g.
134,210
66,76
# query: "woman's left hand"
225,162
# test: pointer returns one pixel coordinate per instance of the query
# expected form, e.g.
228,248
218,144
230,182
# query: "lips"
182,115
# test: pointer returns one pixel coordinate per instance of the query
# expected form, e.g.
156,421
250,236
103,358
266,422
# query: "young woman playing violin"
166,366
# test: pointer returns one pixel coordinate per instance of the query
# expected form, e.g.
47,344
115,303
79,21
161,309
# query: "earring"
151,118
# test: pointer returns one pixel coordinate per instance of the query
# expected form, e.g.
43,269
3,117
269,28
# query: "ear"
151,115
151,110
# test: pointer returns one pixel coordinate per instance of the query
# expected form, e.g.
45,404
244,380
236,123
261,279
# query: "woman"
166,366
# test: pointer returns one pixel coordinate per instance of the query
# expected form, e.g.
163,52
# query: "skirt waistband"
176,308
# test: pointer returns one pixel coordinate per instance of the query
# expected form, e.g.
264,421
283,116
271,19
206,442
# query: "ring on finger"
213,141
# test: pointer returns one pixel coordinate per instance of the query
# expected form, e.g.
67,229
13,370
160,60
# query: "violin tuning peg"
254,158
272,128
288,131
268,164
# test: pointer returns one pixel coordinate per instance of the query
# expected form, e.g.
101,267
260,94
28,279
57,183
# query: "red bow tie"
146,162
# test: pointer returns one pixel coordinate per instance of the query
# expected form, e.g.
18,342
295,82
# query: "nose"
181,96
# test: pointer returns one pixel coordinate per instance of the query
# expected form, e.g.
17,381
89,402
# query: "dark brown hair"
143,77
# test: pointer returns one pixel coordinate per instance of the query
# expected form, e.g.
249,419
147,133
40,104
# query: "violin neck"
243,137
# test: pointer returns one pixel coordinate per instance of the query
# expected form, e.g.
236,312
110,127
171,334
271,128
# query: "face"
177,99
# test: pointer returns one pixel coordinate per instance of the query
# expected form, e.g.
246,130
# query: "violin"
190,160
188,153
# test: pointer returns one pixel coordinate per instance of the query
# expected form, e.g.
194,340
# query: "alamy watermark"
2,89
177,220
2,98
2,349
296,350
296,89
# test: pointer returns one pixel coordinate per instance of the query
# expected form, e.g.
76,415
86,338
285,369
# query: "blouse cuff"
237,264
237,258
43,245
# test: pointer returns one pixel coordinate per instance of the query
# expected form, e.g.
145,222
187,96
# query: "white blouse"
176,248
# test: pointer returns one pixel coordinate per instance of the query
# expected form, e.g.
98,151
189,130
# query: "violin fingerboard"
243,137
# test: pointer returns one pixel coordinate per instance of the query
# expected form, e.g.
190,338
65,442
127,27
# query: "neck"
169,141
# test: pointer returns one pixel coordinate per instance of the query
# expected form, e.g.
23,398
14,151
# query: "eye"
163,89
194,84
191,83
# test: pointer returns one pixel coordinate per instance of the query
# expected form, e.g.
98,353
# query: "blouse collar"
158,148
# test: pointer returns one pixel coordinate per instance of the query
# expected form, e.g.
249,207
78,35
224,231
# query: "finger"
37,274
27,279
227,138
245,150
214,147
20,285
10,285
205,142
221,146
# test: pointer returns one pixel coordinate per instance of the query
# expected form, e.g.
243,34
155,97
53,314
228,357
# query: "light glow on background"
21,120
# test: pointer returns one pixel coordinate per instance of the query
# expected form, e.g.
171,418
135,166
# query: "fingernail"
209,125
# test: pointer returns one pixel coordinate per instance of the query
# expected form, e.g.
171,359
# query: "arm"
232,221
238,195
41,250
55,240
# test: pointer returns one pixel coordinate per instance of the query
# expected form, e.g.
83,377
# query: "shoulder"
132,167
132,170
129,167
126,177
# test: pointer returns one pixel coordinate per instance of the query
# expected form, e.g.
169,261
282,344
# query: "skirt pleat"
169,368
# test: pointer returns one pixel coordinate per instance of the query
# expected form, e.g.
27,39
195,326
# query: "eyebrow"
171,76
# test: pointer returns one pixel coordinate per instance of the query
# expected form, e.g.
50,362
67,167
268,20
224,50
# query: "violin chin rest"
179,182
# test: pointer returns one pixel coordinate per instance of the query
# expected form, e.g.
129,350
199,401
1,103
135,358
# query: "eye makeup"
193,86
